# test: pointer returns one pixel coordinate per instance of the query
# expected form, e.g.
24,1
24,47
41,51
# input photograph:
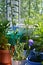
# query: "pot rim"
34,62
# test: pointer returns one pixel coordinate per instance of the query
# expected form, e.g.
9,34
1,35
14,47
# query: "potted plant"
19,57
4,45
36,56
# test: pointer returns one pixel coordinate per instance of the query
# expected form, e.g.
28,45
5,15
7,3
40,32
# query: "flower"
31,42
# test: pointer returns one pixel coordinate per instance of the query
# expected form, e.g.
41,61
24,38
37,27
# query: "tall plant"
4,25
2,9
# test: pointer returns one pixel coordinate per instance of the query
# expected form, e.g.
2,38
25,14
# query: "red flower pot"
5,57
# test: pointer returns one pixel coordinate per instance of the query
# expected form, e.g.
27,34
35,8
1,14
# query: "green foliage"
30,7
19,50
3,42
2,9
35,30
37,35
3,29
4,25
12,37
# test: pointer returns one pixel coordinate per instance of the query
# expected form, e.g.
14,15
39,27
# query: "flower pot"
33,60
5,57
22,62
41,54
33,63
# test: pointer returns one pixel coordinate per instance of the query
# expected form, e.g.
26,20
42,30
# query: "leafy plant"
19,50
38,37
3,29
4,25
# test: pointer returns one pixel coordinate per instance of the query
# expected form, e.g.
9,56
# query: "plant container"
5,58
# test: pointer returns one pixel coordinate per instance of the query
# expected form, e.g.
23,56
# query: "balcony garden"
21,32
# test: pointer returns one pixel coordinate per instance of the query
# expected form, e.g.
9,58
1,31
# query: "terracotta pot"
5,57
4,64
